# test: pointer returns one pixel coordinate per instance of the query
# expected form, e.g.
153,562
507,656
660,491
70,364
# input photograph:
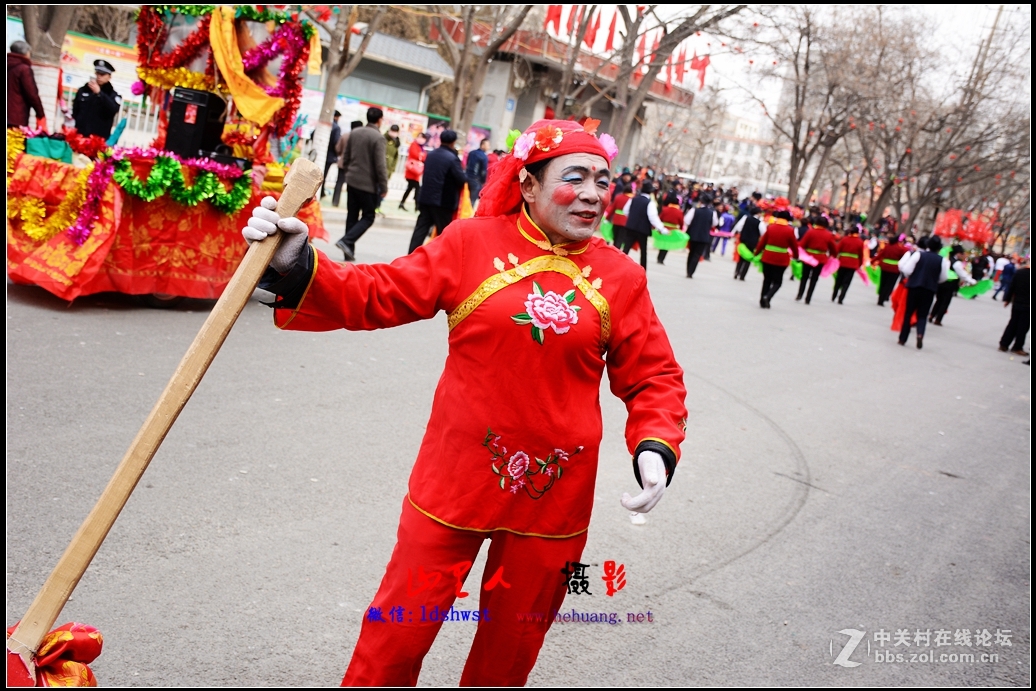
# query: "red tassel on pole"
610,45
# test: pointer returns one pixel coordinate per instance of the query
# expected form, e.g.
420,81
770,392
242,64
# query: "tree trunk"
340,64
818,173
45,28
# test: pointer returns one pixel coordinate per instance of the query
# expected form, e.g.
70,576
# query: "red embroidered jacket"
515,429
781,237
850,252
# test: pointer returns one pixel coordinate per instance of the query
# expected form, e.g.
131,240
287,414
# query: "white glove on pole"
265,221
652,474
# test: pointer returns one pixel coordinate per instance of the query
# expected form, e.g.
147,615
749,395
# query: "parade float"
85,215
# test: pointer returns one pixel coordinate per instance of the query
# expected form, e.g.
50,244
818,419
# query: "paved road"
831,480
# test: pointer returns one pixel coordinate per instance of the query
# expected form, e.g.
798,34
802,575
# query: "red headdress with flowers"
544,139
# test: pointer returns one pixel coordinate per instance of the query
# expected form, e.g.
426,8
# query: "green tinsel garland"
233,201
190,10
167,175
162,174
252,14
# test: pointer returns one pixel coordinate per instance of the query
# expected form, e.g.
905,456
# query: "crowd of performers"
775,235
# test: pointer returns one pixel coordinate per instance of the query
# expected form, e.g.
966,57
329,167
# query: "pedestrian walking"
699,222
392,145
564,310
439,197
413,169
366,180
22,94
956,273
1017,296
887,260
332,150
476,170
777,246
1006,275
850,251
819,243
924,271
97,103
343,141
641,218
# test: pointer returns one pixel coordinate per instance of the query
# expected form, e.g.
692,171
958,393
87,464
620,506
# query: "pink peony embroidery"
518,464
520,473
548,311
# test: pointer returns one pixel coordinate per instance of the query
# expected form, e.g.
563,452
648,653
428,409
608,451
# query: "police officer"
97,103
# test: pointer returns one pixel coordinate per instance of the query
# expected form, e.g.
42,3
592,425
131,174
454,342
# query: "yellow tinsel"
15,146
32,211
170,77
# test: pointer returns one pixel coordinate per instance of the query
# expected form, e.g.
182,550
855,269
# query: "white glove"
265,221
665,231
652,474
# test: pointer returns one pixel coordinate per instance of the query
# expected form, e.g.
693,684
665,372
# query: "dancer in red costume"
537,309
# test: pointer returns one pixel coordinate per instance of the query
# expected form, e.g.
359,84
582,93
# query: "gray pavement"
831,480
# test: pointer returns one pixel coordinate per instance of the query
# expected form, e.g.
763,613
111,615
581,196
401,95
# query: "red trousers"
429,563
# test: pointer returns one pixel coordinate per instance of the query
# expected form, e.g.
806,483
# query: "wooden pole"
300,185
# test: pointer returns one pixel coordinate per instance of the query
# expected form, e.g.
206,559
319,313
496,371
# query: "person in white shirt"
956,275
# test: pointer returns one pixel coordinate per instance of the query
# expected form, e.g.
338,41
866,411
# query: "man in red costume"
819,243
538,307
775,245
850,253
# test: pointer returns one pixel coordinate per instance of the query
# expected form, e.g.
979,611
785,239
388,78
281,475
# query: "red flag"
591,32
654,49
572,18
610,45
553,17
698,65
681,65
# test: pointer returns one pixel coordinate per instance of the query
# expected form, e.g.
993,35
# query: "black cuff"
668,457
290,287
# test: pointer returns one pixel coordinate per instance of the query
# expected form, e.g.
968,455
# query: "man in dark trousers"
924,271
1017,296
366,180
850,258
332,156
641,218
478,166
440,191
887,259
22,94
819,243
96,103
343,141
775,245
699,222
747,230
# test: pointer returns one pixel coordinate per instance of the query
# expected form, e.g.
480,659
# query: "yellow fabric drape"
313,66
251,100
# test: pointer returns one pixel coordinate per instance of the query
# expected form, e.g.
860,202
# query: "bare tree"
470,54
341,61
627,102
111,22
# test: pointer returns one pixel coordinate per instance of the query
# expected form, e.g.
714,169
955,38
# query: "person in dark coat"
439,197
478,166
366,180
22,94
97,103
747,230
924,271
332,153
1017,296
699,222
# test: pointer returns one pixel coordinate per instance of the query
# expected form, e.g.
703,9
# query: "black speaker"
195,122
